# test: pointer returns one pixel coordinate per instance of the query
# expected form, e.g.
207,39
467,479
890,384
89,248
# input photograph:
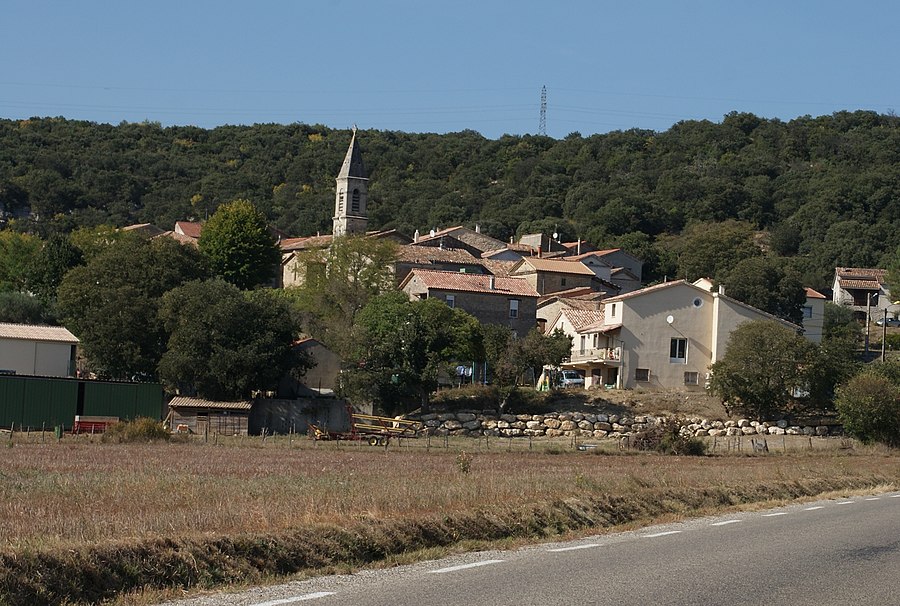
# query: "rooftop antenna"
542,125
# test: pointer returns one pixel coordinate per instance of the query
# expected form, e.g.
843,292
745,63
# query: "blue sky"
427,66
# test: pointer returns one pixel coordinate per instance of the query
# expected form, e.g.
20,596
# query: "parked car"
888,322
571,378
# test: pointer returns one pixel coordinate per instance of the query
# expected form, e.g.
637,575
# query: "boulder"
821,430
602,426
470,425
452,425
551,423
776,431
586,425
567,425
534,425
465,417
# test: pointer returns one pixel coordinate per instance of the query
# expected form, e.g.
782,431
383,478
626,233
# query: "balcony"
609,355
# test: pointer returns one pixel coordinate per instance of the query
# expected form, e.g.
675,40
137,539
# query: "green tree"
711,250
91,241
765,283
16,252
405,346
224,343
50,265
869,407
337,282
22,308
112,303
764,363
238,246
839,323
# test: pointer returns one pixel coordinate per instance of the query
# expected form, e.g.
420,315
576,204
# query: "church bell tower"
352,195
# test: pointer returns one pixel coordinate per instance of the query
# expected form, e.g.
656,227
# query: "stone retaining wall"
474,423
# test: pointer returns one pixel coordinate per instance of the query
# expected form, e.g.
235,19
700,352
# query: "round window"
698,302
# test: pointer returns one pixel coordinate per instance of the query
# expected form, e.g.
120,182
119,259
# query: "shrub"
869,407
141,429
667,438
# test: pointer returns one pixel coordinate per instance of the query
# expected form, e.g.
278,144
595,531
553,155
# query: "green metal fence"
44,402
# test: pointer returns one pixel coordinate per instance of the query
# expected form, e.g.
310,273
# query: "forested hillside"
820,191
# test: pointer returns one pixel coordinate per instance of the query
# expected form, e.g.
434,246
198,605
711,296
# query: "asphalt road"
830,552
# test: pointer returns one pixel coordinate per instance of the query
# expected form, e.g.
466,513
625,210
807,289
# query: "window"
341,202
691,378
354,201
807,311
583,343
642,374
698,302
513,308
562,282
613,314
678,351
451,300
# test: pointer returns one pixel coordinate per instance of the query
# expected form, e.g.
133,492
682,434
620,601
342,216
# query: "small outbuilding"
199,416
29,349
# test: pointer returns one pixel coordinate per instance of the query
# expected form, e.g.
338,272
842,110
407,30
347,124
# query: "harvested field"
196,514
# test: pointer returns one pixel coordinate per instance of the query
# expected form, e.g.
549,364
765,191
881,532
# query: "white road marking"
772,515
814,508
299,598
845,503
873,498
725,523
585,546
464,566
895,496
661,534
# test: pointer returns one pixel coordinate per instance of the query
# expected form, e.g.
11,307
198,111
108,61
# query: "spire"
353,164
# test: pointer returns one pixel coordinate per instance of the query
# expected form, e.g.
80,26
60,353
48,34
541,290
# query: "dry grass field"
63,502
71,494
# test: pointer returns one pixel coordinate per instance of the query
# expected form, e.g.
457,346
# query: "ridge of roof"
451,280
36,332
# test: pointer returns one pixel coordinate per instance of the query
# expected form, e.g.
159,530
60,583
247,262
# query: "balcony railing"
600,354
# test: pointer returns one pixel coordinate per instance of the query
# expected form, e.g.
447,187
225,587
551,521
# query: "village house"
510,302
661,337
863,290
548,276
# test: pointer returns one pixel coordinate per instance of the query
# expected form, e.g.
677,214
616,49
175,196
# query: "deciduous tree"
224,343
238,246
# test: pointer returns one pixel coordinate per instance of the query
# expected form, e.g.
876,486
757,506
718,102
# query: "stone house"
491,299
548,276
862,290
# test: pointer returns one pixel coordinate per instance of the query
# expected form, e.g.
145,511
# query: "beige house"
662,337
814,315
47,351
505,301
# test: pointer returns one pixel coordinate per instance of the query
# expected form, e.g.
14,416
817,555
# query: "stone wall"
487,423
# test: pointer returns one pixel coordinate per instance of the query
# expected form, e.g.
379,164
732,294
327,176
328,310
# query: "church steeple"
352,194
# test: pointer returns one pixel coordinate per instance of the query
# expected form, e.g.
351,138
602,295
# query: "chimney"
491,282
579,247
477,228
416,236
721,289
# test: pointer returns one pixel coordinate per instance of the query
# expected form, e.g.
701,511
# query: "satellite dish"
670,319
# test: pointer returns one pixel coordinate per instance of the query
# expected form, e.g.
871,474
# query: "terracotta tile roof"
557,266
289,244
34,332
451,280
498,268
145,229
863,278
186,402
813,294
584,256
860,284
189,228
582,318
429,254
180,238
